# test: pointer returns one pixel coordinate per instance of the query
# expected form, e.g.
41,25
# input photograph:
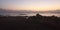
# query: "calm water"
32,14
44,14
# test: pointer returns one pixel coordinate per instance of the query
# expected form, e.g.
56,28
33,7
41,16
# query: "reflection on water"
43,14
46,14
32,14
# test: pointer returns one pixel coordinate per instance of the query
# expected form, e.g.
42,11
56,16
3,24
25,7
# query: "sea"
30,14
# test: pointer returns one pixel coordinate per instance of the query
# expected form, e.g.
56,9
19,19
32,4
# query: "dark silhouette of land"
37,22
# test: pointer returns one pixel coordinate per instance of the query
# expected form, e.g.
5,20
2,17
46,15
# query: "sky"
35,5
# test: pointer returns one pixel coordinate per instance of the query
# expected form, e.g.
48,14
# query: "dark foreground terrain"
37,22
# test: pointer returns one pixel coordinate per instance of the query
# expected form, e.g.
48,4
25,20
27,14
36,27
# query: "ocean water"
44,14
30,14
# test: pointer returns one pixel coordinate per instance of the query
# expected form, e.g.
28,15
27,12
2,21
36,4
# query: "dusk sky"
35,5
